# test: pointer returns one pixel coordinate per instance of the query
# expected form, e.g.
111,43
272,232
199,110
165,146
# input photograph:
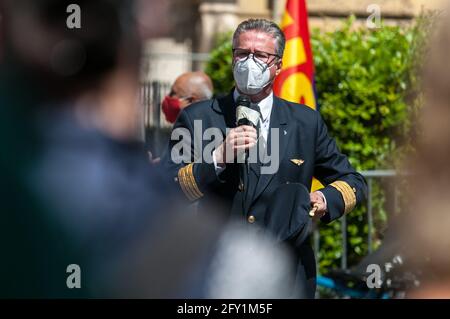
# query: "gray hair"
265,26
206,92
201,84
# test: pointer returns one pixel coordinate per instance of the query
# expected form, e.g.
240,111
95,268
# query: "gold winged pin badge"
297,161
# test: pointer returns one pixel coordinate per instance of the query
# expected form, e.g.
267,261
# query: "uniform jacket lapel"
226,106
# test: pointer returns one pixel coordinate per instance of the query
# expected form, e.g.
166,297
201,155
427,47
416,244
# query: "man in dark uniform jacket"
273,190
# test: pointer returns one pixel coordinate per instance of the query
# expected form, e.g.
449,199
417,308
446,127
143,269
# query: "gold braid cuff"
348,195
188,183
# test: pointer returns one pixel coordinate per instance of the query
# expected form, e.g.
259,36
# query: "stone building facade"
196,24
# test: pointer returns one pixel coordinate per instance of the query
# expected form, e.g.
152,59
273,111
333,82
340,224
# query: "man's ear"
194,97
279,67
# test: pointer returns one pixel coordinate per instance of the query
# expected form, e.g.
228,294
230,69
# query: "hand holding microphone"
242,137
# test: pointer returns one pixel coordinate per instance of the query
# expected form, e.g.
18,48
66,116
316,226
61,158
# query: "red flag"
295,83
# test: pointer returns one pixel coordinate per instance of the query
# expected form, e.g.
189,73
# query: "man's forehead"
257,38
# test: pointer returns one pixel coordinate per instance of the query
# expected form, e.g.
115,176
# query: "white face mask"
250,76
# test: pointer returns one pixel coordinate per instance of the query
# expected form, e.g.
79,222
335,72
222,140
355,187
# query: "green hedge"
364,79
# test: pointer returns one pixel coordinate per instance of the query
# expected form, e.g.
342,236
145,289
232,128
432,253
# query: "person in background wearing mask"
188,88
297,138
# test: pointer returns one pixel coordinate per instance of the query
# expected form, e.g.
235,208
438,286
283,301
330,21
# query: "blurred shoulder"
299,111
199,108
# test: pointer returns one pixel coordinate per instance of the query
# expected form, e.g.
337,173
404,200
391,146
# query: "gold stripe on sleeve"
188,184
347,193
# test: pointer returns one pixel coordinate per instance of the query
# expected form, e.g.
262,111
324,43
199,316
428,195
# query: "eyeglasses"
243,54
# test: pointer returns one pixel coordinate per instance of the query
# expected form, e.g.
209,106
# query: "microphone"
245,115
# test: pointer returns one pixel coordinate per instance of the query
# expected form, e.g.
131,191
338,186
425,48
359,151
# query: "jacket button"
251,219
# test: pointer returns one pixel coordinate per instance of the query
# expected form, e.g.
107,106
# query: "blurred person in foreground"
267,191
424,231
72,91
77,186
188,88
